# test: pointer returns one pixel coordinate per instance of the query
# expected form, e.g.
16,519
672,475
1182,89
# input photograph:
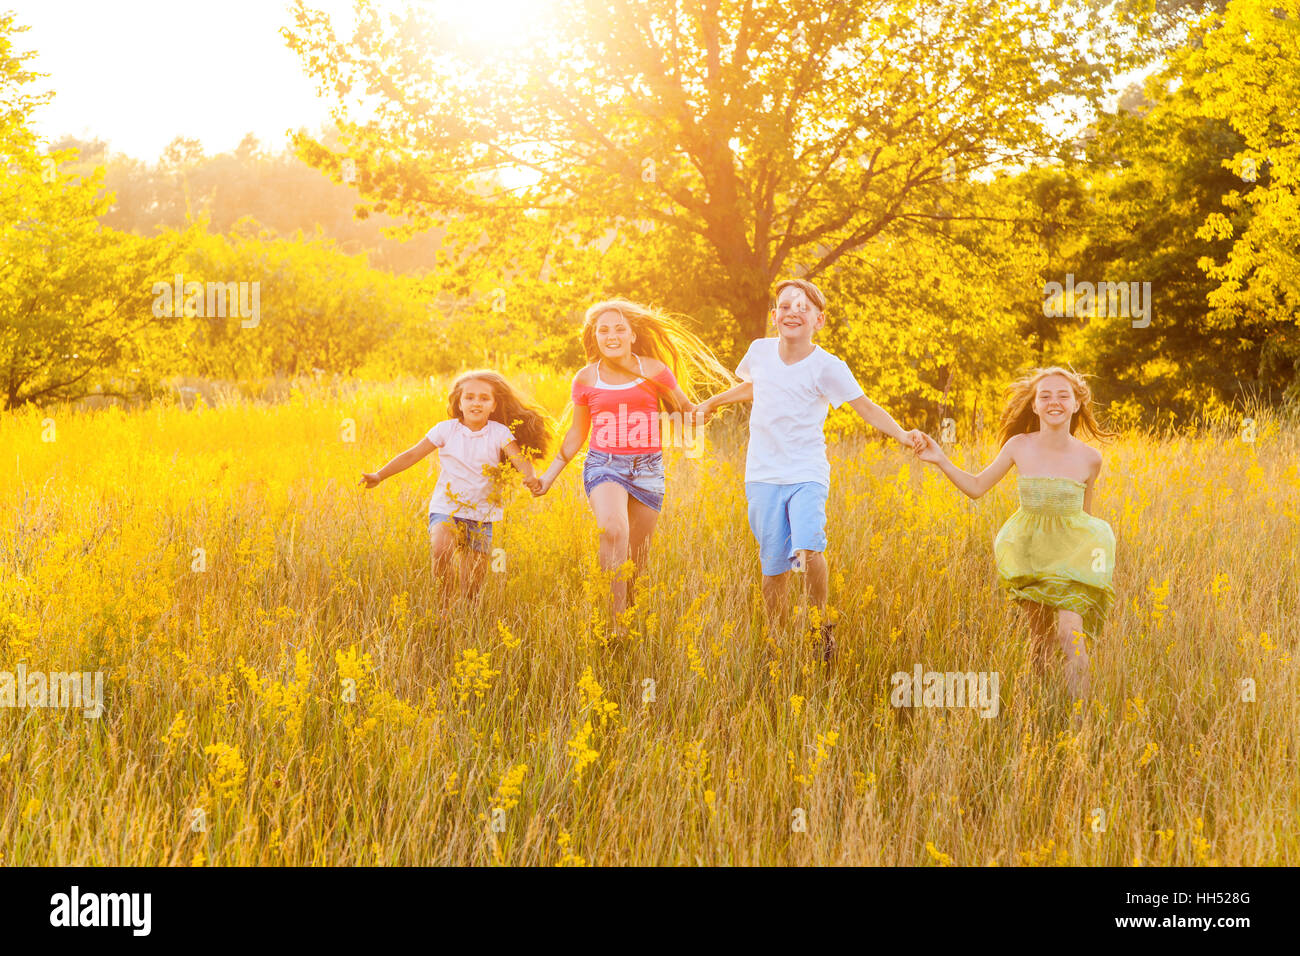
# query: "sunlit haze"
138,74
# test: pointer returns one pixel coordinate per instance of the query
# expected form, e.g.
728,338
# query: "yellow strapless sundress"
1054,553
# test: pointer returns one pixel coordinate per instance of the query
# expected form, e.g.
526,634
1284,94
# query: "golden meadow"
310,697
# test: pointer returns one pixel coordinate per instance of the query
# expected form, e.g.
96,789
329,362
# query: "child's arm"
882,421
570,446
973,485
683,403
744,392
523,466
400,463
680,402
1092,480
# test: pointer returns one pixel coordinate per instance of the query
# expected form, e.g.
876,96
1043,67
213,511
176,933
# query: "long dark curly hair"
527,422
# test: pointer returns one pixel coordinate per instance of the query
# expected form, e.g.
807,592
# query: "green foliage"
1158,175
753,139
899,153
1169,201
318,308
75,302
1248,74
932,322
275,189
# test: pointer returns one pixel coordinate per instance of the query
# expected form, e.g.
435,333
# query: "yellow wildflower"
943,859
227,774
1149,753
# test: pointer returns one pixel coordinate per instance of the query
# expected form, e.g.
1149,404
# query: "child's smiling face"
796,318
1054,401
477,402
614,335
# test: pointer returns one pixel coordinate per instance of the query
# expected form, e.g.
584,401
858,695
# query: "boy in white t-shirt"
792,382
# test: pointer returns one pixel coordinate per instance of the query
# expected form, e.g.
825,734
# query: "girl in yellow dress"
1052,555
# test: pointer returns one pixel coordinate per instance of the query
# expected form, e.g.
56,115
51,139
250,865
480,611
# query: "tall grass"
315,697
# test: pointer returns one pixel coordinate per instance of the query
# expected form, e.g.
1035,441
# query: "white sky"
139,73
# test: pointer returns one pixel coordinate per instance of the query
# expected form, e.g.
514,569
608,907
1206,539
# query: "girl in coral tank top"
637,389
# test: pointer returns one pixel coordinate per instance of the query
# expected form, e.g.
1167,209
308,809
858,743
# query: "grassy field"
311,697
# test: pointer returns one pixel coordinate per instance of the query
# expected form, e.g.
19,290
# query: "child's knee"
614,533
442,541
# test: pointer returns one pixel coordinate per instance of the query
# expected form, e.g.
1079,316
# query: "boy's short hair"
813,293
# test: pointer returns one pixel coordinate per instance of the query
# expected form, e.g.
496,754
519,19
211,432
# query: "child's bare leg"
442,550
1069,633
817,575
641,527
1042,632
776,598
609,502
1044,635
471,567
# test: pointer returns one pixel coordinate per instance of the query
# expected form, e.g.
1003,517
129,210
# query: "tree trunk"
749,305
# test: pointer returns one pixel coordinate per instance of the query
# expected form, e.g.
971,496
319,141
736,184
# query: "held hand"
533,484
703,412
543,485
930,451
370,480
914,438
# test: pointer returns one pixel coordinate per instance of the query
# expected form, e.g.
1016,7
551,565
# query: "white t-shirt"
786,442
463,490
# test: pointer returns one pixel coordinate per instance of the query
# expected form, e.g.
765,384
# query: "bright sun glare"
507,22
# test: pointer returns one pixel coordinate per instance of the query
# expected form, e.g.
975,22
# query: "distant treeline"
1158,251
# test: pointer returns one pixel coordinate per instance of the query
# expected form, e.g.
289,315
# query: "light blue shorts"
477,535
786,519
641,476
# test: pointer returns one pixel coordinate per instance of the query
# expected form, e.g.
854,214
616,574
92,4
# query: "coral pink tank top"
624,418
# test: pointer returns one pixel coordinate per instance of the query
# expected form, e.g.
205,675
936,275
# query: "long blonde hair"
1019,417
662,336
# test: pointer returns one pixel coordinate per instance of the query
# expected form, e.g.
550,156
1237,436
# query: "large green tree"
745,139
1156,173
1248,75
1191,188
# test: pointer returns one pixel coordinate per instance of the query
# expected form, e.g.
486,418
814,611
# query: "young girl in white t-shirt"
490,424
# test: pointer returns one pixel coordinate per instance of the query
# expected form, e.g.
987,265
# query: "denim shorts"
477,534
641,475
786,519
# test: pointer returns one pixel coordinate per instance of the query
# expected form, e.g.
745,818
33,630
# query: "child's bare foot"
827,635
822,637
